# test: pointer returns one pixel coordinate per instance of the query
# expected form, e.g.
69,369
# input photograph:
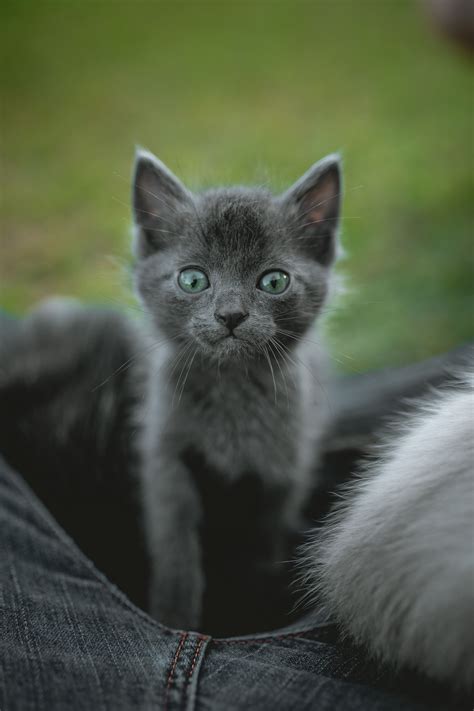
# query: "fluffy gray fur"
251,403
395,563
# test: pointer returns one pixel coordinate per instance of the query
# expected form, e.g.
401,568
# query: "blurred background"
250,92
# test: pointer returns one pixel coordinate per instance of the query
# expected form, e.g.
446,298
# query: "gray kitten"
233,280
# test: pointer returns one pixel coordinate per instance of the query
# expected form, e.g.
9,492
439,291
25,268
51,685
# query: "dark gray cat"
233,279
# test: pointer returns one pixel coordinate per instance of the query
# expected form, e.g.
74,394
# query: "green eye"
193,281
274,282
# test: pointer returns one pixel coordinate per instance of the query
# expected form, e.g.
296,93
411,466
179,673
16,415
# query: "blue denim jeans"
69,639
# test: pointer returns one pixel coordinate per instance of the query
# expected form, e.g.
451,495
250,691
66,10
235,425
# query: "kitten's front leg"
172,513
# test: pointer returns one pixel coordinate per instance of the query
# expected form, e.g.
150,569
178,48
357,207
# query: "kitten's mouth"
231,346
229,340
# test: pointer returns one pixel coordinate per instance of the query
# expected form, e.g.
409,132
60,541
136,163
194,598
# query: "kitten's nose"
231,319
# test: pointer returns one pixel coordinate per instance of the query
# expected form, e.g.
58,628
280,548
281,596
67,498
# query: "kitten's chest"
242,428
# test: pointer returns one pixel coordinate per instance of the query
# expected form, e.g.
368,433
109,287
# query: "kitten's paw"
177,584
187,618
177,602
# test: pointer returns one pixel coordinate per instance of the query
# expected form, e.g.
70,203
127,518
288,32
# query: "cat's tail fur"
395,562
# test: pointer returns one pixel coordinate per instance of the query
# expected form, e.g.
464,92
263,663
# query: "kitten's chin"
230,348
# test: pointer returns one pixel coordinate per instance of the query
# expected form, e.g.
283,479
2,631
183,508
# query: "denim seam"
169,681
193,672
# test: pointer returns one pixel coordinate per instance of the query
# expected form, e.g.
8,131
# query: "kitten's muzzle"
230,319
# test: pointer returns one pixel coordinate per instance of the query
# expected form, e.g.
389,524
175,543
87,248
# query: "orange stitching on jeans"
202,639
173,667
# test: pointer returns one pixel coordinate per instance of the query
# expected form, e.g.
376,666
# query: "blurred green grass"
244,92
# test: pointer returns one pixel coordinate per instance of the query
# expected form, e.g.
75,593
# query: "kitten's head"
234,270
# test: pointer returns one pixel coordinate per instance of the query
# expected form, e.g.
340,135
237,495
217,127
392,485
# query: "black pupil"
194,282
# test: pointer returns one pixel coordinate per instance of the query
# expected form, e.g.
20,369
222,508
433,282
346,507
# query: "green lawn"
244,92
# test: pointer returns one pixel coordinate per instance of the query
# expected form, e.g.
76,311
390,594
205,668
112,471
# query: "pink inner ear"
147,188
321,202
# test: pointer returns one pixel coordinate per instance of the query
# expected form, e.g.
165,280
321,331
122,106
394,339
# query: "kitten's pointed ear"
158,198
314,202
